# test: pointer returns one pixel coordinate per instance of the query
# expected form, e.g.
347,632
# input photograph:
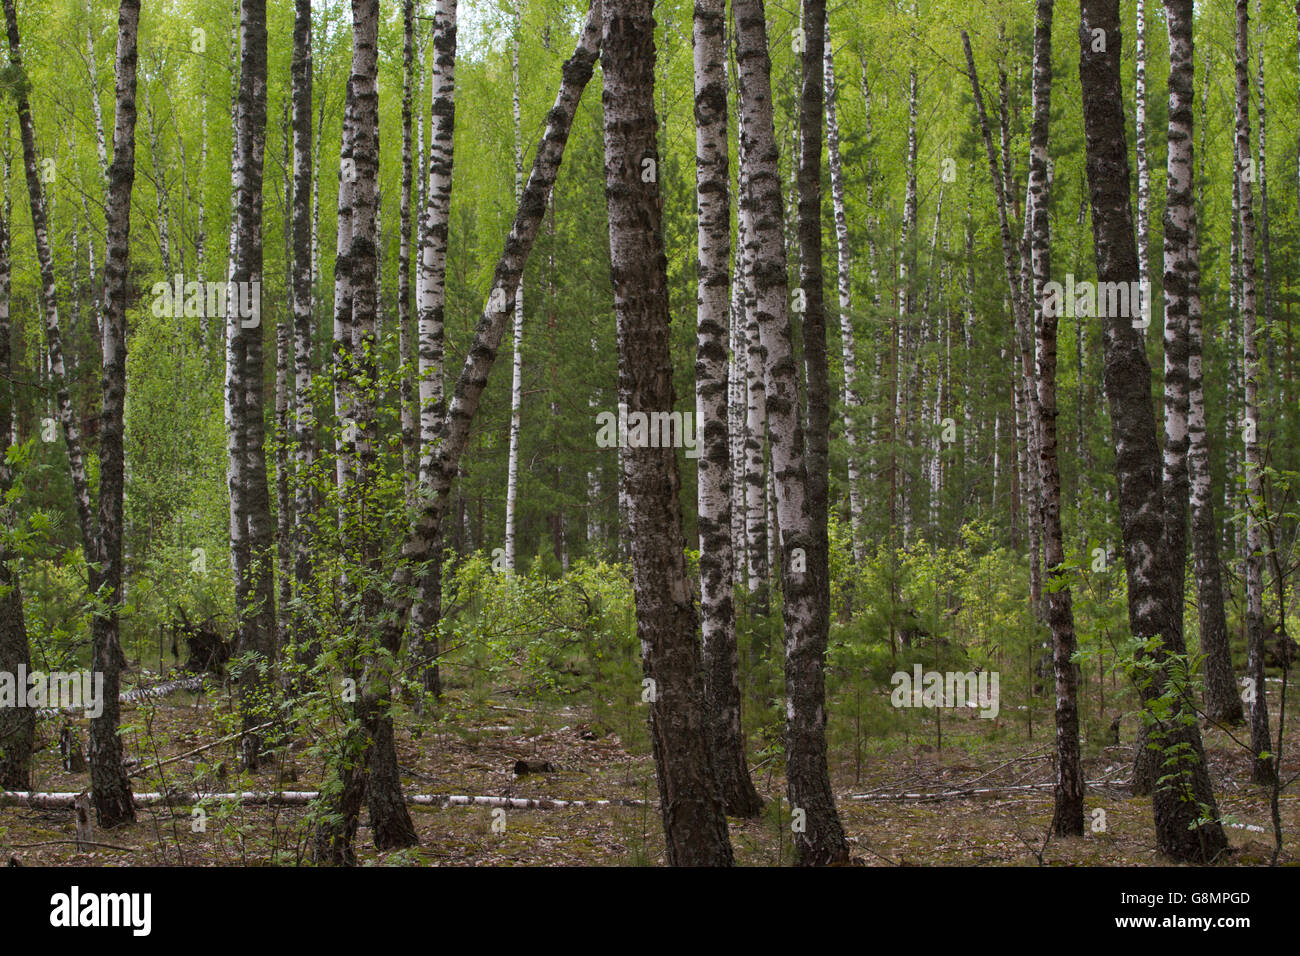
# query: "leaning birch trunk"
1068,798
1181,804
713,302
821,841
304,424
844,285
252,528
102,545
443,460
432,302
1257,699
49,294
695,823
517,363
17,724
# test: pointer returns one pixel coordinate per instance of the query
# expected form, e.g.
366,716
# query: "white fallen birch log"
37,800
980,791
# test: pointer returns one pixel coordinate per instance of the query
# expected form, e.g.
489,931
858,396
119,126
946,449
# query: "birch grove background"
609,432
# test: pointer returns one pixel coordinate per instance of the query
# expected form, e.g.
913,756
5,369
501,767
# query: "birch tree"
1257,704
713,302
405,357
695,824
102,533
517,363
1068,795
304,424
432,303
844,286
817,411
804,603
1222,702
252,529
1184,807
1140,147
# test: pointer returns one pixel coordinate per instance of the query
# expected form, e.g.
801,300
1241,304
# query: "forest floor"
1007,825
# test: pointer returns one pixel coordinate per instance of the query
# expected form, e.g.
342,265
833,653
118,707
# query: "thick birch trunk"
695,824
1140,149
1180,803
817,410
252,528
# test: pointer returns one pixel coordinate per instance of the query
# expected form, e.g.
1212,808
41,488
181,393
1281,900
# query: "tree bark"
713,298
817,411
695,824
432,302
252,528
406,390
111,790
1187,456
1185,796
844,284
821,840
1140,149
1262,767
304,423
1068,815
517,358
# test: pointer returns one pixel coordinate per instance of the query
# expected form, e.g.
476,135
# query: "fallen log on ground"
291,798
133,696
981,791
